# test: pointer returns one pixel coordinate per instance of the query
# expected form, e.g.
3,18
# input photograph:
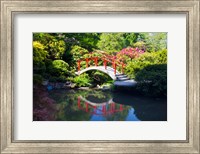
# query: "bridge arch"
109,71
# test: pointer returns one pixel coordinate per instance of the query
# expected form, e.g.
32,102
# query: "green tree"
111,42
140,45
53,44
78,52
154,41
39,55
39,52
84,40
130,38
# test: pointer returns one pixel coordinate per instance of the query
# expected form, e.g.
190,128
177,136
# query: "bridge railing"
106,59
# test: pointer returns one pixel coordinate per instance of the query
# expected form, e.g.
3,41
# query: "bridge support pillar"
105,64
115,68
79,65
96,61
87,61
113,63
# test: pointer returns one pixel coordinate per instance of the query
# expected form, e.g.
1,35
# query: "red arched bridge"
109,64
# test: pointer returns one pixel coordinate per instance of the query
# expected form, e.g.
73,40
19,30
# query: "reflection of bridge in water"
103,108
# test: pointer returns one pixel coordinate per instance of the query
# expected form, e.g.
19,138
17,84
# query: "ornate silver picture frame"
9,8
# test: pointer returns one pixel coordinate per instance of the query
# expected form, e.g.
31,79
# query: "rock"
45,82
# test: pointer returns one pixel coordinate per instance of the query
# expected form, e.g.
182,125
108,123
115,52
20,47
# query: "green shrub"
39,52
82,80
99,77
58,68
78,52
150,71
146,59
152,80
39,55
140,44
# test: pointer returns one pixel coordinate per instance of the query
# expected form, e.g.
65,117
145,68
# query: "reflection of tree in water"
68,111
62,94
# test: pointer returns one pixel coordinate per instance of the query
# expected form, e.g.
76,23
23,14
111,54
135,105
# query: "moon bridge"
109,71
106,59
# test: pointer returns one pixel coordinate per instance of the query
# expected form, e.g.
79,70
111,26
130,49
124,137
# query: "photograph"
107,76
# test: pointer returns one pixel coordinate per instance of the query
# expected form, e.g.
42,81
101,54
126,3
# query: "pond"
99,105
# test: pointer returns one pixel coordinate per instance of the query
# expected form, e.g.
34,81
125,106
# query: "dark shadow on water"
146,109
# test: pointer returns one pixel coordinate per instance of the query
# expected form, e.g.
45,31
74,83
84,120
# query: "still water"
98,105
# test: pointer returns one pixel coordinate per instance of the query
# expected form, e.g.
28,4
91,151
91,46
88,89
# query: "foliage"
82,80
144,60
85,40
114,42
53,44
111,42
56,49
99,77
150,71
130,38
154,41
39,52
46,48
78,52
152,80
39,55
129,53
140,45
58,68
